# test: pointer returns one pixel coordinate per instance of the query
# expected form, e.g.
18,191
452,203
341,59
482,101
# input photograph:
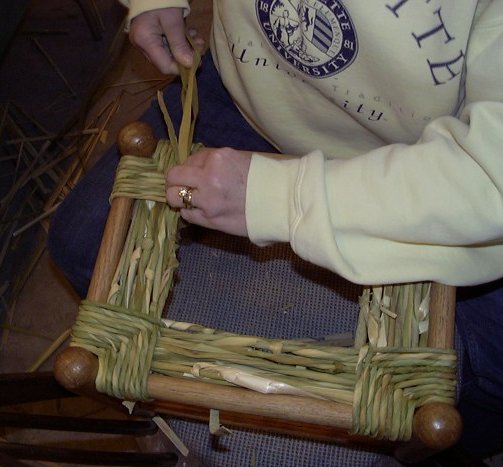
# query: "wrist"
137,7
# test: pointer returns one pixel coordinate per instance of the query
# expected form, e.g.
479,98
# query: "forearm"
399,213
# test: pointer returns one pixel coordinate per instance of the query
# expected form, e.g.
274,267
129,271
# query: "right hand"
217,178
161,36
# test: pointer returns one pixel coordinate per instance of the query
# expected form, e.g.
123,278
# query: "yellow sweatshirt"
395,111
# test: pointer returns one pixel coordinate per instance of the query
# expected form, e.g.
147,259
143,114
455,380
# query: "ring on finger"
186,194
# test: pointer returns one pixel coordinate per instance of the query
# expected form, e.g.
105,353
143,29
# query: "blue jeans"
77,227
479,320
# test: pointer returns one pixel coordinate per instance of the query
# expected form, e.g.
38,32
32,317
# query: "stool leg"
436,426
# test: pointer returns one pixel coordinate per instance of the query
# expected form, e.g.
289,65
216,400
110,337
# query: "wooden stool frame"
436,426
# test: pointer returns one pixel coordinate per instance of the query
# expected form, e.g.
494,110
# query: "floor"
75,76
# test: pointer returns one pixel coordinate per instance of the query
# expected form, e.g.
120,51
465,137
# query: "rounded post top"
76,368
438,425
137,139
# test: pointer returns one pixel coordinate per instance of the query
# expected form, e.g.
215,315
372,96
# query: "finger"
175,197
161,58
178,44
146,34
197,41
199,217
183,175
195,216
198,158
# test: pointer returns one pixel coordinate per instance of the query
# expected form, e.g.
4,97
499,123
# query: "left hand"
217,178
160,34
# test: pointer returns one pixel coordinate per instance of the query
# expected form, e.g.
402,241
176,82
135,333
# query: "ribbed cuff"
137,7
269,198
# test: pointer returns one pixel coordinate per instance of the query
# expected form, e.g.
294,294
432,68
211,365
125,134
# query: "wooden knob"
438,425
137,139
76,368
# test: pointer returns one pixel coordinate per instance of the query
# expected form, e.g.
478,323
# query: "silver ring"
186,194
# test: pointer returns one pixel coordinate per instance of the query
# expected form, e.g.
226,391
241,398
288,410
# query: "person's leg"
479,318
77,226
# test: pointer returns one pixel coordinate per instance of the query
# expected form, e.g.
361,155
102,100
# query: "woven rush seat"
394,380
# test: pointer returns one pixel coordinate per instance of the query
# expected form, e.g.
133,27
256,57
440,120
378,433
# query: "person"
390,120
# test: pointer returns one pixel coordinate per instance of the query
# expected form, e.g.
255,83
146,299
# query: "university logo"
315,36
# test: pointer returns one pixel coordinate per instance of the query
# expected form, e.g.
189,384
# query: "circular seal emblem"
315,36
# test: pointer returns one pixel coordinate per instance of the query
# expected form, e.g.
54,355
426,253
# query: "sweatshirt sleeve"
136,7
400,213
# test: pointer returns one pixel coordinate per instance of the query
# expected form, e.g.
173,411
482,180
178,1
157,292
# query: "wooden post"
436,426
76,368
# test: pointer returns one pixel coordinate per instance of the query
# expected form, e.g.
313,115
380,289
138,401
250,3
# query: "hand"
217,178
160,35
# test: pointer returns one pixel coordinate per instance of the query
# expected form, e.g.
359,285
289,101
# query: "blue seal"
315,36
